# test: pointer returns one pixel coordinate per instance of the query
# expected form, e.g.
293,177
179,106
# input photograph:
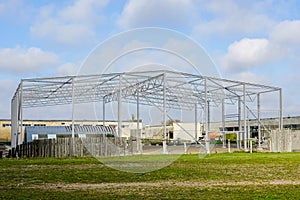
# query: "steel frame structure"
162,88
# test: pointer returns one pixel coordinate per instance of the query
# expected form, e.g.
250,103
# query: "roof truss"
183,90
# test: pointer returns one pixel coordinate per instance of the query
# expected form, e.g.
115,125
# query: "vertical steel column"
196,123
207,139
12,119
239,141
223,123
248,130
258,119
103,112
245,116
208,117
138,122
73,118
20,140
73,106
120,109
165,151
280,109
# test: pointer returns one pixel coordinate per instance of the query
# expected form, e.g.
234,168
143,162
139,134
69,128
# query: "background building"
177,132
5,126
52,132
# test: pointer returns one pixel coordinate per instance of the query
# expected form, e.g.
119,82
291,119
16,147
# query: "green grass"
218,176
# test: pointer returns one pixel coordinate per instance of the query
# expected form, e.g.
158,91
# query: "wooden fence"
89,146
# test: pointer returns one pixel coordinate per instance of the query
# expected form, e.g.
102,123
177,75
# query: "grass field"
218,176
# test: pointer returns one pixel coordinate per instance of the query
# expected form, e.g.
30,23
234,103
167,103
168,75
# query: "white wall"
296,140
186,131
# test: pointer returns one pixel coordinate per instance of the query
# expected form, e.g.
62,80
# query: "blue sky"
253,41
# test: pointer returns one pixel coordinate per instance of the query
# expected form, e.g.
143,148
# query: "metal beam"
57,90
196,123
239,141
223,124
207,138
103,111
120,109
258,120
165,151
245,117
139,133
280,109
73,107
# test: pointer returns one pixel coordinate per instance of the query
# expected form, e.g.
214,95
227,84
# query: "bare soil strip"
209,184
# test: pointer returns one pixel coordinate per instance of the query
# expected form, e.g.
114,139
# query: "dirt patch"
209,184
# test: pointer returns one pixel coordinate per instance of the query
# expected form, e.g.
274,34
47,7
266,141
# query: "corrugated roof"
67,130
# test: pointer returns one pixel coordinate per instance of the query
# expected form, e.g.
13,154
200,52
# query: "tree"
171,121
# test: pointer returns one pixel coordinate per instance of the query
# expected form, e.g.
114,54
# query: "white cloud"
281,44
18,60
167,13
231,18
15,10
7,7
61,33
67,69
83,11
287,33
247,53
72,25
250,77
